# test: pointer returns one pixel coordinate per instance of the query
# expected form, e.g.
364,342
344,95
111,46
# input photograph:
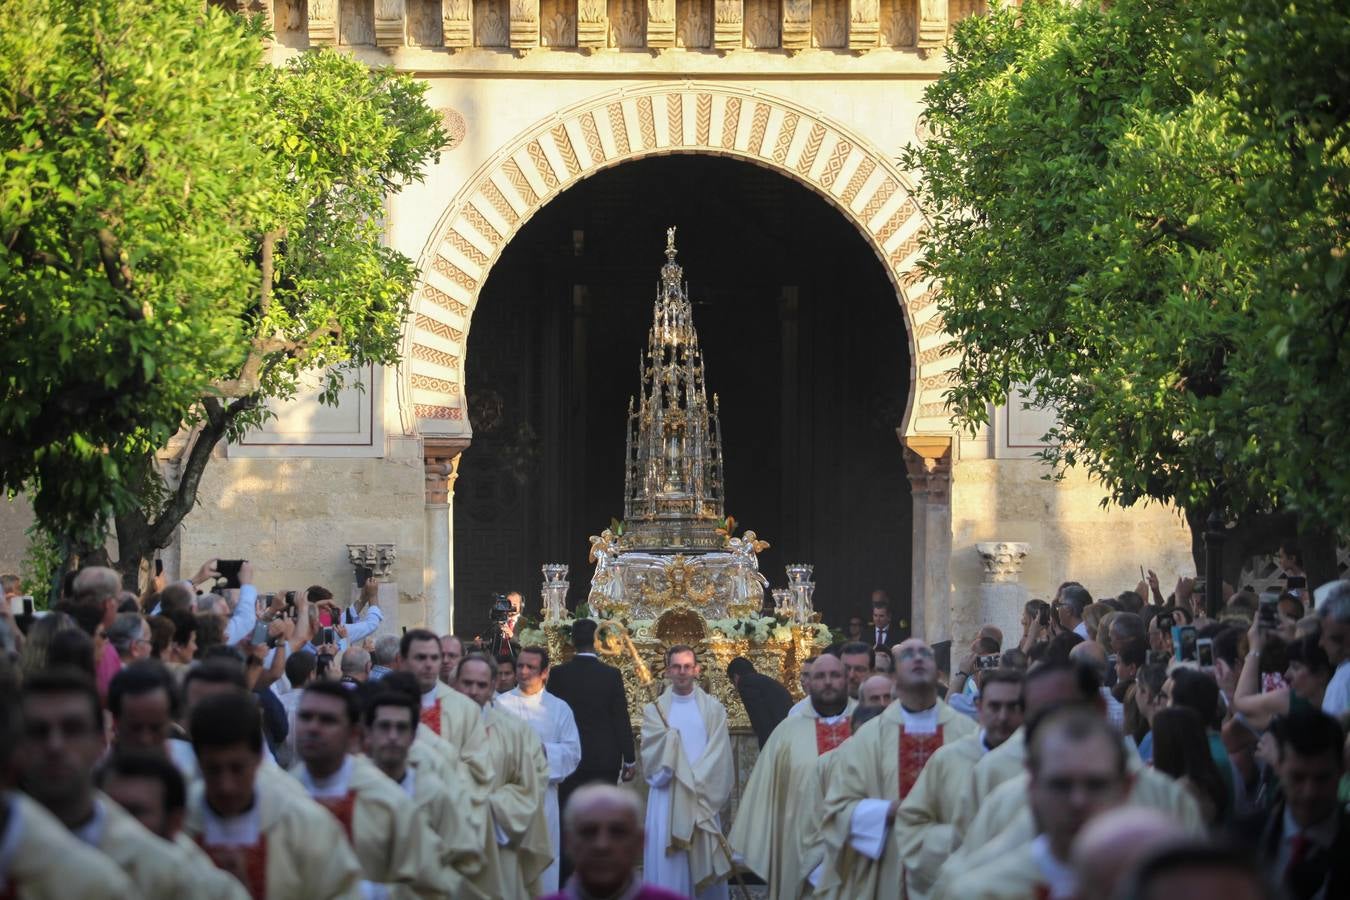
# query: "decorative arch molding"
577,142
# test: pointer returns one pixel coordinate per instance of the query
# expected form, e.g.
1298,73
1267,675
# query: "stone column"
442,468
929,463
1002,594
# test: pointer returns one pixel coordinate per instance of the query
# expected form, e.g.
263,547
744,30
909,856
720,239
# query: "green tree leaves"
184,230
1140,210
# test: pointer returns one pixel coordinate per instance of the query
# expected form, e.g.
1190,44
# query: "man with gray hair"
383,656
129,635
355,666
602,831
1334,611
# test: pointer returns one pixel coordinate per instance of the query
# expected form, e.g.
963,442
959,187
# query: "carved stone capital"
441,460
379,558
1002,560
928,460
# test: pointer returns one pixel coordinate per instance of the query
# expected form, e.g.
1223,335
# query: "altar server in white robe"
686,759
552,720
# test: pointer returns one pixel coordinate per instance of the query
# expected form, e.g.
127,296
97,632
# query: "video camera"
502,609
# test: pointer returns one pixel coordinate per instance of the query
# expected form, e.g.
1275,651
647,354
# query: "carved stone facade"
724,25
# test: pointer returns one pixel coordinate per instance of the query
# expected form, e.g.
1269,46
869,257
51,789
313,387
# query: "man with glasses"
876,769
1077,769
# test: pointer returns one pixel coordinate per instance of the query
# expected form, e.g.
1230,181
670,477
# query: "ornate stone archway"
804,144
800,143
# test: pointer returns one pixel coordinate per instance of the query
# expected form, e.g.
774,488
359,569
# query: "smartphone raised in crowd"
229,570
1204,652
1183,642
1268,611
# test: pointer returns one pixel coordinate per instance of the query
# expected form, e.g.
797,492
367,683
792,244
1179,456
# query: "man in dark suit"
594,691
766,701
1304,842
880,634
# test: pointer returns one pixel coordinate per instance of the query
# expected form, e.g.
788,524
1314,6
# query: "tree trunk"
137,536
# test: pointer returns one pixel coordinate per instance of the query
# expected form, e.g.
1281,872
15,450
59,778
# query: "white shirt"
1336,700
553,721
1058,876
244,616
237,831
1081,630
801,706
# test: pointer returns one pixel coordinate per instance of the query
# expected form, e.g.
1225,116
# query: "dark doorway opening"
804,344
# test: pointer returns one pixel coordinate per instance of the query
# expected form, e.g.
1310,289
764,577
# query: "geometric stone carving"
391,23
728,24
456,23
323,23
660,24
796,25
864,27
932,23
524,24
1002,560
592,24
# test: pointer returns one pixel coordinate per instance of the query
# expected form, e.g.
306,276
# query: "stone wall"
294,517
15,517
1071,536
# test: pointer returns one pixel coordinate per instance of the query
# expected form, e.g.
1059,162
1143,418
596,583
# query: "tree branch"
180,503
119,273
250,374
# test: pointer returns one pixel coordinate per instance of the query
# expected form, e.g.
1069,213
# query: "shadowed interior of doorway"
804,344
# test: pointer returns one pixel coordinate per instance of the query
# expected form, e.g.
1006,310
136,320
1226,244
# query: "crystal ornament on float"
673,477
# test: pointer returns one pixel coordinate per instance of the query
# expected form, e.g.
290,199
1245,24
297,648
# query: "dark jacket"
594,691
766,703
1324,873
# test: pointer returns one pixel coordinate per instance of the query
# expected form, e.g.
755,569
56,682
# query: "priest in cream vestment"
391,722
925,816
875,770
686,759
517,851
279,844
40,860
391,840
1073,746
781,804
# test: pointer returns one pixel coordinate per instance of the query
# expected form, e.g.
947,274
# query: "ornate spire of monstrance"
673,484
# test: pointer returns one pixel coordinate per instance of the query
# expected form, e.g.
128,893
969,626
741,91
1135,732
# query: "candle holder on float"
782,602
802,587
553,592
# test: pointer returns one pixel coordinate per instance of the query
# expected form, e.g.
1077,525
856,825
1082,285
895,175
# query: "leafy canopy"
184,231
1140,212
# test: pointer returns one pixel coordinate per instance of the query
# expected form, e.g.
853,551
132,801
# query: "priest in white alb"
686,758
873,773
552,720
780,807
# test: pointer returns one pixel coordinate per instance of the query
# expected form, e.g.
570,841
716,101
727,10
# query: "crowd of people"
204,740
